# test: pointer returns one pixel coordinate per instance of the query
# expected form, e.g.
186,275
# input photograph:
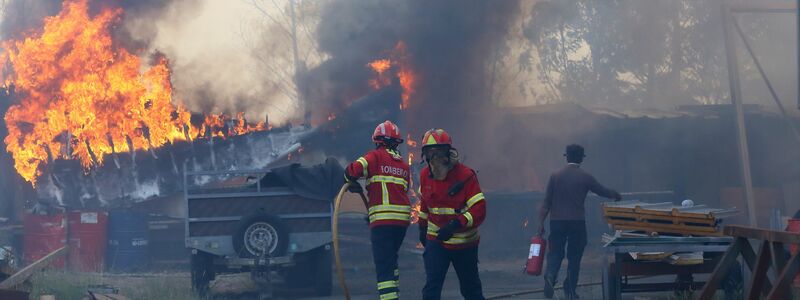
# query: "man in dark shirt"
566,194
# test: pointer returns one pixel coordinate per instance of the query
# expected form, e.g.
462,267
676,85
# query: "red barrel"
794,226
87,240
43,234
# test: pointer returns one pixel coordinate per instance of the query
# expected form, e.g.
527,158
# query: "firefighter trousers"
570,236
386,241
437,262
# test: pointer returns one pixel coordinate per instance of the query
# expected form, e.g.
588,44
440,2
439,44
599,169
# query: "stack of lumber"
665,218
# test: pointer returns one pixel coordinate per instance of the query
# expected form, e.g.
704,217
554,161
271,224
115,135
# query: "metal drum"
87,240
43,234
167,246
128,242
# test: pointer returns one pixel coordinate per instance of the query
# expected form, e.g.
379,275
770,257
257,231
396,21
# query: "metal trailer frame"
615,282
221,246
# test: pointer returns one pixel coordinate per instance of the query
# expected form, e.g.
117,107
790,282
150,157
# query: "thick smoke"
226,57
448,44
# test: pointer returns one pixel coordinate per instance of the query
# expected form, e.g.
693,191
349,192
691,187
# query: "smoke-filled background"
513,81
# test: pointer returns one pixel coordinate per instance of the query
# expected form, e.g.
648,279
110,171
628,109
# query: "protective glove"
446,232
355,187
423,235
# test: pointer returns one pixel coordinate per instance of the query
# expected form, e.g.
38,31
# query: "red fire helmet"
386,130
436,137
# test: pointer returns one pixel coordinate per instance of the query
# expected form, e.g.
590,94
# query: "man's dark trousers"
569,234
386,241
437,262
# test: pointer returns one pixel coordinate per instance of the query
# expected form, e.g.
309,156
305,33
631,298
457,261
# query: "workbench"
619,266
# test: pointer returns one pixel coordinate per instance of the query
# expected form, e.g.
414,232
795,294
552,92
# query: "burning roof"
80,95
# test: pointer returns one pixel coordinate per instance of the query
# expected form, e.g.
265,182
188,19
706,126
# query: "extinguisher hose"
335,231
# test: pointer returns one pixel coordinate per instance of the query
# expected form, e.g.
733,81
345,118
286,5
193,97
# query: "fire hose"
337,257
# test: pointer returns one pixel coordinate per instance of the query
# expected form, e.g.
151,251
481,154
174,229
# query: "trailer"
274,224
624,274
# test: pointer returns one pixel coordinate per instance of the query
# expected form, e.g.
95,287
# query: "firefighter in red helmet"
387,180
452,207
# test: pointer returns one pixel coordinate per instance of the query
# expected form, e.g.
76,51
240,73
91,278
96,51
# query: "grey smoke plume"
448,44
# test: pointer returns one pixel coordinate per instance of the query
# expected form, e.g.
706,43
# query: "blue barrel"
128,242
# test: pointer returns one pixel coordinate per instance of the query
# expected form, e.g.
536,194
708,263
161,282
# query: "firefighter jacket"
438,207
387,186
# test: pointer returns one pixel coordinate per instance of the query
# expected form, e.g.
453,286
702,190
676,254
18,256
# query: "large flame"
403,71
82,97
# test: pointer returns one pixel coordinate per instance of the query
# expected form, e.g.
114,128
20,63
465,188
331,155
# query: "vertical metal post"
736,100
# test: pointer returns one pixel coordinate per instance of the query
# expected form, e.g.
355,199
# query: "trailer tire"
202,269
258,233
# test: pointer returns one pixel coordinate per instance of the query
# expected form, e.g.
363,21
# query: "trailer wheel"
202,269
260,234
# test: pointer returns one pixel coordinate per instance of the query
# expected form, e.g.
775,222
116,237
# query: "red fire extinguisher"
536,256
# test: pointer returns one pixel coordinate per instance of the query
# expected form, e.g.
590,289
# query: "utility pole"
736,100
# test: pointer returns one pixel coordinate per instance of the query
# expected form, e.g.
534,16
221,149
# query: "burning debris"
77,89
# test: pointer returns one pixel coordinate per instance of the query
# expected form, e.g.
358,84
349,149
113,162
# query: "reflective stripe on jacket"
387,180
438,208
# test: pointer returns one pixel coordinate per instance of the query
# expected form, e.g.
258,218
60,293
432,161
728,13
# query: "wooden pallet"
667,209
660,219
680,229
665,217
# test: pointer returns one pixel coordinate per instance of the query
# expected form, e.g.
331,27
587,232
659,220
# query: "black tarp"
319,182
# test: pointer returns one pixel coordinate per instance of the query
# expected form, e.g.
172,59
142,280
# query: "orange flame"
411,142
405,73
380,65
78,91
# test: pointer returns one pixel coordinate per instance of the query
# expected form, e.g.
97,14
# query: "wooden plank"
673,220
761,234
710,288
678,227
787,275
760,271
650,229
749,258
26,272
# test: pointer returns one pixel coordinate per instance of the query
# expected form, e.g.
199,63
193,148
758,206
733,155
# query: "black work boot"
548,287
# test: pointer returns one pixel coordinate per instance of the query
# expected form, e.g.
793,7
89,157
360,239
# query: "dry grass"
66,285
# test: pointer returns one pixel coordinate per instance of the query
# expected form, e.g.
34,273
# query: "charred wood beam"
210,135
91,153
67,150
146,133
113,150
49,153
172,159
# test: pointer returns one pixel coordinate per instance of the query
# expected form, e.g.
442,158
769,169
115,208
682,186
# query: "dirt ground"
501,271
